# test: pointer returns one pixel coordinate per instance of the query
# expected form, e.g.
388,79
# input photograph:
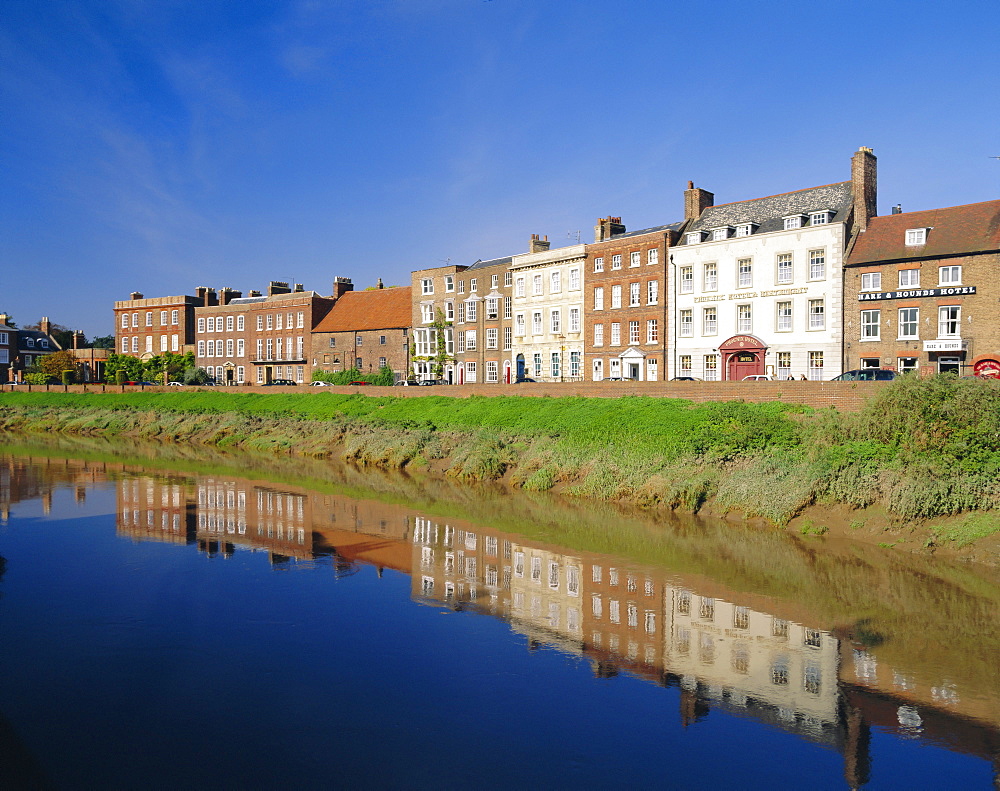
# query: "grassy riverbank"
922,448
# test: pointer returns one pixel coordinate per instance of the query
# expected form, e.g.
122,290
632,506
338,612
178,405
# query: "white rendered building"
757,286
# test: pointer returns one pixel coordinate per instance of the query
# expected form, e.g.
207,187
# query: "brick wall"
844,396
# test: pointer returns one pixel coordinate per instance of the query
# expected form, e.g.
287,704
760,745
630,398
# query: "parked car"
407,383
143,384
320,384
685,379
175,384
429,382
525,379
760,378
359,382
280,383
866,375
612,379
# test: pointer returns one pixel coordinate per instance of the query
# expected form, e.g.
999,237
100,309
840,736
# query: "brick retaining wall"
845,396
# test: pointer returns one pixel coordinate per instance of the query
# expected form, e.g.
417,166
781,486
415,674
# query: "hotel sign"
956,345
778,292
953,291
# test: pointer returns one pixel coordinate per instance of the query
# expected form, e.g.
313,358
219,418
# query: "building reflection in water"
717,651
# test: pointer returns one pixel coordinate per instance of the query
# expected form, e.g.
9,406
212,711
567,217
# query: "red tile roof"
959,230
377,309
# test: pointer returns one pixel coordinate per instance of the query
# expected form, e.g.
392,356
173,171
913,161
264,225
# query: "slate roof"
36,336
769,212
378,309
959,230
674,226
492,262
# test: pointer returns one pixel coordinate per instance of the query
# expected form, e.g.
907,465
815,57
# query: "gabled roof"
959,230
378,309
769,213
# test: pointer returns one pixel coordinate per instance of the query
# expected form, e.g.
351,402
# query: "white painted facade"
784,288
548,314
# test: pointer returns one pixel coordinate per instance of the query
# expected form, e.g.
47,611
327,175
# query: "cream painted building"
548,312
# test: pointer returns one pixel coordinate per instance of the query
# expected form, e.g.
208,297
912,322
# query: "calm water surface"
170,619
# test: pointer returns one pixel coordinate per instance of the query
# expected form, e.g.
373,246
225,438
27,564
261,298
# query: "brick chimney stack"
278,287
341,285
864,187
607,227
379,285
135,295
76,338
536,245
227,295
45,326
696,200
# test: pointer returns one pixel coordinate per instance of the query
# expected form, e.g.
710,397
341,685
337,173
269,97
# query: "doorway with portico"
743,355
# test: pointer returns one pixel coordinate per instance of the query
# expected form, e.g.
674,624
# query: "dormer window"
820,217
746,229
721,233
43,343
915,236
793,221
695,237
30,342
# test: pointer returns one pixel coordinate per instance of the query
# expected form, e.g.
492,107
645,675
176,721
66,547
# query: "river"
173,617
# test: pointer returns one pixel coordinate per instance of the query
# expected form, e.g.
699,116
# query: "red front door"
744,364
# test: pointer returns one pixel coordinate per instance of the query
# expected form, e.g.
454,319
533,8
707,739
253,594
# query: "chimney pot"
536,245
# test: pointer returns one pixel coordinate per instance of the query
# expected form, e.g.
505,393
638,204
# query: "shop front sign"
988,369
912,293
954,345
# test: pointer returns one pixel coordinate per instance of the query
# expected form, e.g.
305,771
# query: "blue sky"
158,146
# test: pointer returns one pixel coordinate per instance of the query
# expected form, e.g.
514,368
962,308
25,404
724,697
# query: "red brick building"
256,339
147,327
365,330
625,311
921,292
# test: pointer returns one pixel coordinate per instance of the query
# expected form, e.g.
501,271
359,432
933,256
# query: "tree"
10,320
195,376
54,364
103,342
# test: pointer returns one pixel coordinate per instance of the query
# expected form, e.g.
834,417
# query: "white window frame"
817,314
635,258
908,323
916,236
783,316
909,278
950,275
871,281
784,269
949,321
871,325
599,264
687,323
817,264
